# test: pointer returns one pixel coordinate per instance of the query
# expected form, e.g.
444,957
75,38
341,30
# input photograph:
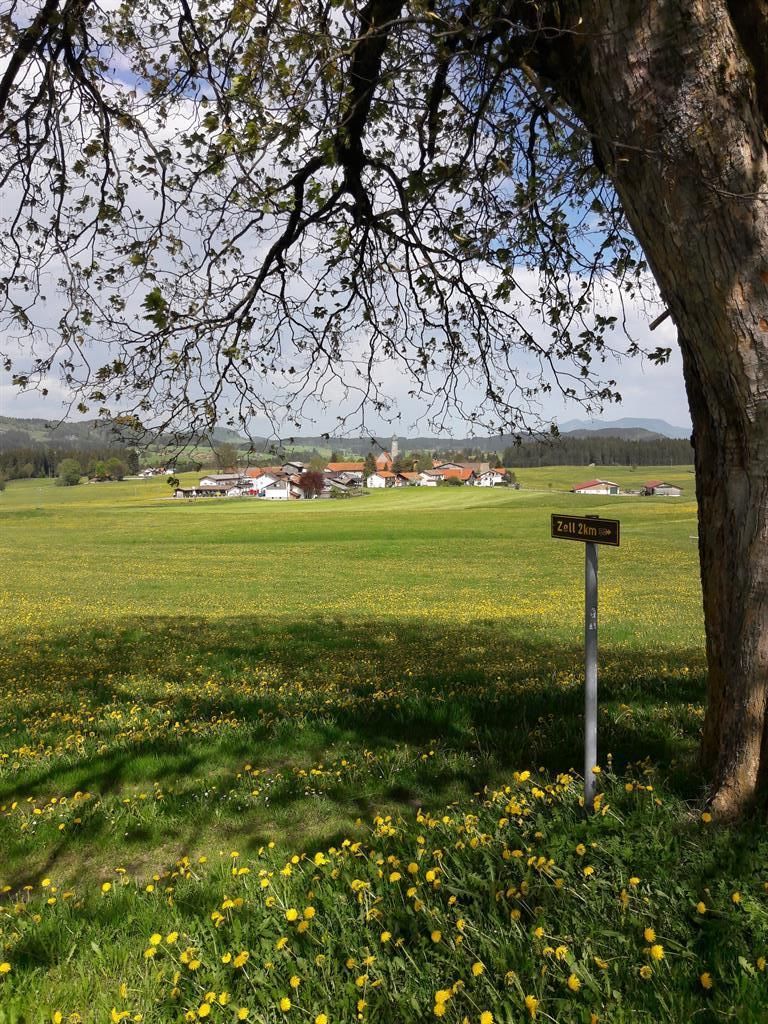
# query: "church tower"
394,450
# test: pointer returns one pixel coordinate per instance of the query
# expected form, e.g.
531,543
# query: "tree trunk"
679,116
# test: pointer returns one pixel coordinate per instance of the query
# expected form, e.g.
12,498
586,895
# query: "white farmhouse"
491,478
280,490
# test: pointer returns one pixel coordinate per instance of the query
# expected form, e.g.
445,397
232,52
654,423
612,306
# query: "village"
295,480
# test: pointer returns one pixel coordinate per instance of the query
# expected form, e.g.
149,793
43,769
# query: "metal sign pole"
590,674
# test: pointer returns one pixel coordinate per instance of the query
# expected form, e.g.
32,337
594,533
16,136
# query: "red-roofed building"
386,478
344,467
596,487
432,477
383,461
661,489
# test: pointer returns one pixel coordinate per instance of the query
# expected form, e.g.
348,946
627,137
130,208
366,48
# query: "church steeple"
394,450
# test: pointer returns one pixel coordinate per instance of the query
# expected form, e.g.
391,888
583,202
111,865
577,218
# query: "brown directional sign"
589,529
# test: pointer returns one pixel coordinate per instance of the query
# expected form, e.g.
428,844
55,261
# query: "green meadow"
320,761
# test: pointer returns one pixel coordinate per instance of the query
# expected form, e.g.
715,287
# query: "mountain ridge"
41,431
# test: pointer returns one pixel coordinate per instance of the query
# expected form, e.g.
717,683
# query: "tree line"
38,460
602,451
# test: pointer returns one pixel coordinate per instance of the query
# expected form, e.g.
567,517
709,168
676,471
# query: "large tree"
255,202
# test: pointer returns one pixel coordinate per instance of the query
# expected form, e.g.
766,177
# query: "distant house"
339,484
409,477
200,492
465,474
386,478
477,467
221,480
596,487
492,478
659,488
280,490
293,467
383,461
265,478
432,477
347,471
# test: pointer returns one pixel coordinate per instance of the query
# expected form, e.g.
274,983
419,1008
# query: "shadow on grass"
170,701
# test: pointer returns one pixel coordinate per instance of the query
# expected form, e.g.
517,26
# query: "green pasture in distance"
334,707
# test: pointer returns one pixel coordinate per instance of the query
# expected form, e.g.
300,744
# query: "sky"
648,391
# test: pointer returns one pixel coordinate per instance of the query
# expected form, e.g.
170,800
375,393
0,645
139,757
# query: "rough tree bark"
678,108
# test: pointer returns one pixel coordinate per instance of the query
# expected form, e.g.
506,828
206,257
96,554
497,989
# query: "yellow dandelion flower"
701,907
281,943
309,913
106,886
486,1017
321,1018
706,980
241,959
436,935
205,1009
439,1009
295,981
385,936
5,967
634,880
156,939
581,849
760,963
588,870
645,972
242,1013
477,969
291,914
285,1004
573,983
171,938
443,995
531,1005
657,952
602,964
736,898
706,817
649,935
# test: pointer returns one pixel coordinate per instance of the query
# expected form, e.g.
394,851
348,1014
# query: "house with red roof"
386,478
596,487
661,489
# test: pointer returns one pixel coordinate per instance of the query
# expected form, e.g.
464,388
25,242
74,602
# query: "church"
387,459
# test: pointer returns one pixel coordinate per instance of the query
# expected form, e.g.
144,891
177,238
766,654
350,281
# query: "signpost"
590,530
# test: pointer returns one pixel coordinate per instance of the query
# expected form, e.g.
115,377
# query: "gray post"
590,674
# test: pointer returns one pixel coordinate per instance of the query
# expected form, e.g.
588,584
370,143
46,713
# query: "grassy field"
272,762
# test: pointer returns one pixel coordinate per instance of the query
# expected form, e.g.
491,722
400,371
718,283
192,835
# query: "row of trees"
34,461
602,451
